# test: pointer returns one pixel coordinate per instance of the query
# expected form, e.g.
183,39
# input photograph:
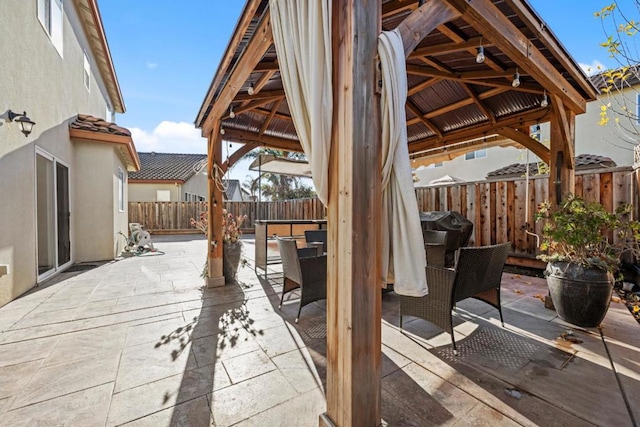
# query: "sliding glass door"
53,215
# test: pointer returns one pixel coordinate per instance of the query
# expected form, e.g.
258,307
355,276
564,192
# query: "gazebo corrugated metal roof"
452,98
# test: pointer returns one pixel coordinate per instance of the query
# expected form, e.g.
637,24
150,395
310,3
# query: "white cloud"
594,68
170,137
151,65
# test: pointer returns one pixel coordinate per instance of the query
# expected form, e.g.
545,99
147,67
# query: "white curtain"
403,244
302,37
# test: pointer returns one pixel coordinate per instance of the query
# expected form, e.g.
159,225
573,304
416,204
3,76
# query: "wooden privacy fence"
501,211
311,208
166,217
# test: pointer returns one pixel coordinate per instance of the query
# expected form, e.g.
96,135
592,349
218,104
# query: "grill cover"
458,227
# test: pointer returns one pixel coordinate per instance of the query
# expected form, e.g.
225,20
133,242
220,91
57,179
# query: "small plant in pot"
583,244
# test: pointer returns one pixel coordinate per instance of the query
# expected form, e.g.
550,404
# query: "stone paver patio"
139,342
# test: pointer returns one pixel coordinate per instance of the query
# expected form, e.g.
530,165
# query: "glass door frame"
55,161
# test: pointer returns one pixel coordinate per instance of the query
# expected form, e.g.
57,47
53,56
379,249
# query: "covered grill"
458,229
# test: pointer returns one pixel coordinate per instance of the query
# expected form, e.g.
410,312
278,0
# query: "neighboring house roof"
445,180
167,167
92,24
232,186
88,128
612,77
583,161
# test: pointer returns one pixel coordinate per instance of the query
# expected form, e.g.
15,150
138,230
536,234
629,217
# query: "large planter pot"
580,295
231,254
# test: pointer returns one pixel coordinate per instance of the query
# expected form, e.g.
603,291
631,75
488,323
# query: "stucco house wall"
197,185
475,169
50,87
98,222
148,192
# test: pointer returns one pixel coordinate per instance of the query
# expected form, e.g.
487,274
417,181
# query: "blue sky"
166,52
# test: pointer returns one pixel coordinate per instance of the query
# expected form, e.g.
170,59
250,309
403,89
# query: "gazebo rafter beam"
450,47
238,154
457,105
526,141
486,18
432,72
464,134
262,81
422,86
265,94
479,103
233,135
277,115
456,37
397,6
253,105
539,29
267,66
255,50
267,121
565,131
420,115
422,21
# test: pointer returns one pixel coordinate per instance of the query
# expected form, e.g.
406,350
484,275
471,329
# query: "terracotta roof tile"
168,166
95,124
583,161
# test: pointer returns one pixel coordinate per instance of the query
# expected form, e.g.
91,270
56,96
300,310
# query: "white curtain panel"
302,37
403,244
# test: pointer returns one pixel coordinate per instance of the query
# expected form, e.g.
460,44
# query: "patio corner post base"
215,277
215,282
325,421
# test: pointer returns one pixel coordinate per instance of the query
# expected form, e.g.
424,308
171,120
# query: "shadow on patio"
523,374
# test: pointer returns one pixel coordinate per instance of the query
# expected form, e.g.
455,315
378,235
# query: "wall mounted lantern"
26,124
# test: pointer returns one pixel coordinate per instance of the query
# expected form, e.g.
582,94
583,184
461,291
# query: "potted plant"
582,258
232,245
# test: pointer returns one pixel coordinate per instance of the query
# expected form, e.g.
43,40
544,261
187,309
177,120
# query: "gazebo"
473,69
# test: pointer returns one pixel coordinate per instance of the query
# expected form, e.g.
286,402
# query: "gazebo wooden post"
354,212
214,252
562,153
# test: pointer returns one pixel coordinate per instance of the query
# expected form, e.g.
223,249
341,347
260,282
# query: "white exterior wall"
473,170
197,184
139,192
98,219
50,88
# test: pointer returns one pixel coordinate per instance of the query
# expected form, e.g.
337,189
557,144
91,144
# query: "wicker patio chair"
477,274
304,269
317,236
435,245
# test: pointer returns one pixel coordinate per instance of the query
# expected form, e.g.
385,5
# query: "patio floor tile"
163,394
302,410
194,413
146,363
85,408
241,401
25,351
58,380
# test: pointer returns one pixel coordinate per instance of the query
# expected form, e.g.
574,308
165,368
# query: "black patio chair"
305,269
477,274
